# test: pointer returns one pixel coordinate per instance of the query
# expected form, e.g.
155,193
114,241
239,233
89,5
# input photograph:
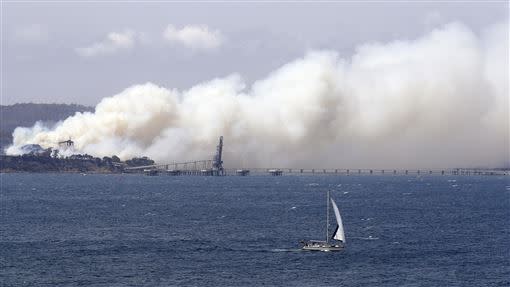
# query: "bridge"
214,167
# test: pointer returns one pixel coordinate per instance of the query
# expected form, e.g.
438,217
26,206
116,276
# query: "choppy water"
130,230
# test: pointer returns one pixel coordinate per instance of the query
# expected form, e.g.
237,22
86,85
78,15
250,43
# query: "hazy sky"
82,52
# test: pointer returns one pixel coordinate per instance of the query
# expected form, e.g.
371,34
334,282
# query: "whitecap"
370,237
285,250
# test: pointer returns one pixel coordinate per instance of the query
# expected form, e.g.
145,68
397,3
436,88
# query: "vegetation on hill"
44,162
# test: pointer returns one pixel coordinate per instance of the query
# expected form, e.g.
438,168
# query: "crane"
68,143
217,164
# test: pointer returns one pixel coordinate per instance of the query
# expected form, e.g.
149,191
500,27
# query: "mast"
327,218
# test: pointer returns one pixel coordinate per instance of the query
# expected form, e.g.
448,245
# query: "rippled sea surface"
134,230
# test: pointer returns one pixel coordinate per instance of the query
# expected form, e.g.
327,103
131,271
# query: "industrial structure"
217,168
68,143
214,167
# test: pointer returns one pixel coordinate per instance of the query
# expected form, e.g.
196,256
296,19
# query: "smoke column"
441,100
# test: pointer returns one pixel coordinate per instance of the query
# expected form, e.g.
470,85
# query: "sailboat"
338,235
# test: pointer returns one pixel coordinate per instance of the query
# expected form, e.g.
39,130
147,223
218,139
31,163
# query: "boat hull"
321,246
325,249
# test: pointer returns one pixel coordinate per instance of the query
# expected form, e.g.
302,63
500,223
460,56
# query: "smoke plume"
441,100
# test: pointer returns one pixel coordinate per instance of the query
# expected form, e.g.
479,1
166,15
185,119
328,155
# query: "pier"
204,168
214,167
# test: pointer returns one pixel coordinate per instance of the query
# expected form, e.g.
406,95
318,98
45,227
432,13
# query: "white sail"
339,232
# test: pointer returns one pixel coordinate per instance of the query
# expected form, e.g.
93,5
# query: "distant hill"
25,115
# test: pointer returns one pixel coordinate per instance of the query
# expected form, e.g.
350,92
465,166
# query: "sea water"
135,230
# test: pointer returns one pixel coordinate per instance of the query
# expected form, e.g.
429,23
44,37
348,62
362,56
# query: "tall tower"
217,161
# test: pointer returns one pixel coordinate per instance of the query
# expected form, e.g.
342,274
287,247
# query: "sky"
331,84
79,52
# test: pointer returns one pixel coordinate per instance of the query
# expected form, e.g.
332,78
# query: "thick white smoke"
441,100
